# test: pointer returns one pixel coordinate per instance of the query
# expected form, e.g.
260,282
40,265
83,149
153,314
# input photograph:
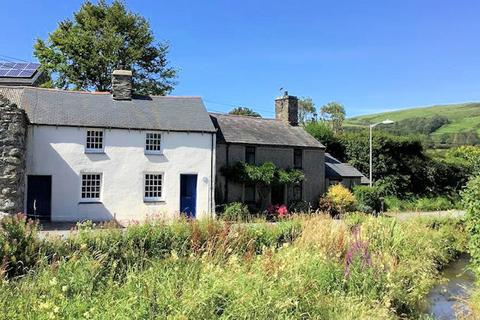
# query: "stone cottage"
280,141
69,155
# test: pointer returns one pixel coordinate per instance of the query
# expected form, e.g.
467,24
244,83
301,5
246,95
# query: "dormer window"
94,141
153,143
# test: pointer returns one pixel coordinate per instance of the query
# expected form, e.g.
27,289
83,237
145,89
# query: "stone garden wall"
13,131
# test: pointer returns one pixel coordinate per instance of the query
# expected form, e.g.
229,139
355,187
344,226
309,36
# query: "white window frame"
160,151
162,192
81,187
94,150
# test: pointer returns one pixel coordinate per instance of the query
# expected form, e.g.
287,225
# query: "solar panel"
18,70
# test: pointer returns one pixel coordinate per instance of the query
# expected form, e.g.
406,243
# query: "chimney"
122,84
286,109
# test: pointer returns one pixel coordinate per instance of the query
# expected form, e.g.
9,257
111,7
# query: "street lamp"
371,128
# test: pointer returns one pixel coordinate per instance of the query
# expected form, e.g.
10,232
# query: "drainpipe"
212,175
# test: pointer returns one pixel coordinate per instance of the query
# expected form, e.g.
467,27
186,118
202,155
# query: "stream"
447,300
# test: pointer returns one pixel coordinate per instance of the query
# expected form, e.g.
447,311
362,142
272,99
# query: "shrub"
326,206
235,211
342,199
19,245
300,206
275,212
433,204
471,202
393,203
422,204
369,199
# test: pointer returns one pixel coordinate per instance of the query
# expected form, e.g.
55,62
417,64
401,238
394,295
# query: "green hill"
453,124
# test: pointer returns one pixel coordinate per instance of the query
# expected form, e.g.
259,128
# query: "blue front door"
188,194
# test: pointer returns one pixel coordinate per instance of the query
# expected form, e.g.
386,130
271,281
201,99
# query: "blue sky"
371,56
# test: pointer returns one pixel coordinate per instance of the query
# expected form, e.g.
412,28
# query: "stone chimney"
122,84
286,109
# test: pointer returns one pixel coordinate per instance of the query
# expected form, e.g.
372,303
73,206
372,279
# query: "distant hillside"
453,124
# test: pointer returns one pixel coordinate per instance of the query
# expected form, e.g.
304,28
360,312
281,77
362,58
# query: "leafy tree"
334,113
245,111
306,109
400,165
469,156
325,135
82,53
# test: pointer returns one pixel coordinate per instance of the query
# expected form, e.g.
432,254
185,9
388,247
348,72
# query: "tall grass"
308,267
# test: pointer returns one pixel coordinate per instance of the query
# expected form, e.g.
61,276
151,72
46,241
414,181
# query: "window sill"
153,153
90,202
95,151
156,200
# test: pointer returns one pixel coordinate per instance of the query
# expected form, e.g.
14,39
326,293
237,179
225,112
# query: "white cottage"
102,156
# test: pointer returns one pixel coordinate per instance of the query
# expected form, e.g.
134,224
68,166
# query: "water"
447,300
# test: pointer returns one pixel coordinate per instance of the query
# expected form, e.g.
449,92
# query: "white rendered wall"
60,152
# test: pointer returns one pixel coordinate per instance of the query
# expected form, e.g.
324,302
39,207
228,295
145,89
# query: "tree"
82,53
306,109
325,135
334,113
245,111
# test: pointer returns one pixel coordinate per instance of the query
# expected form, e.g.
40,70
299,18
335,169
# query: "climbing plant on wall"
265,174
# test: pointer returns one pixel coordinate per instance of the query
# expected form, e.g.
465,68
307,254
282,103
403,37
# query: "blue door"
188,194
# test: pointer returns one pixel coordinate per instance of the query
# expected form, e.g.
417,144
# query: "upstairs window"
94,141
91,184
153,143
153,187
298,158
250,155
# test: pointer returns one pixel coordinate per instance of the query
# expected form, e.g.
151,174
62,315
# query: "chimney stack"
286,109
122,85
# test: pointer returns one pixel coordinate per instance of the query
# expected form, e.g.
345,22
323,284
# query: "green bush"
19,245
235,211
471,202
433,204
369,199
393,203
422,204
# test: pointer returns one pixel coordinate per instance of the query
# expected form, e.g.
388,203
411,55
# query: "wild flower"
358,251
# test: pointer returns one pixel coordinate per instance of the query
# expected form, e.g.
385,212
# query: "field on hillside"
452,124
307,267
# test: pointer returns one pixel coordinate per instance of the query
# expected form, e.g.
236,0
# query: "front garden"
305,266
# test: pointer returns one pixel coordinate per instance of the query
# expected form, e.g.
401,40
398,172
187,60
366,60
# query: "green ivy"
265,174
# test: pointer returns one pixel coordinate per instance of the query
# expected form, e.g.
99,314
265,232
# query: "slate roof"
98,109
261,131
334,168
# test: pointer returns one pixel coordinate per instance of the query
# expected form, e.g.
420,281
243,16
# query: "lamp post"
371,129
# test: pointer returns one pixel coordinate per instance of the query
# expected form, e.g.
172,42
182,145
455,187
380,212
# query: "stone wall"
13,131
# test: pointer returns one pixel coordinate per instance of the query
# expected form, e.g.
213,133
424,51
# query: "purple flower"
358,250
